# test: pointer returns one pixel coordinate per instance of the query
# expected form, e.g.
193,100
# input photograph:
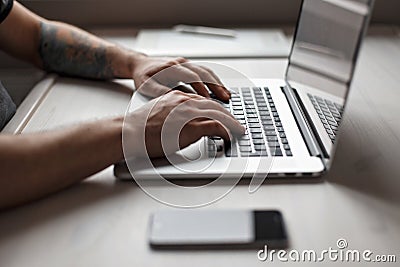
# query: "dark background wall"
170,12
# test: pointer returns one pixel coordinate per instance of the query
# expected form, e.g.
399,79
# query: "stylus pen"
205,30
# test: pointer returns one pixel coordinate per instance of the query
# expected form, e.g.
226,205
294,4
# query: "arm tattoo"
73,54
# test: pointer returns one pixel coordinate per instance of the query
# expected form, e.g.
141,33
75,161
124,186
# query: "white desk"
103,222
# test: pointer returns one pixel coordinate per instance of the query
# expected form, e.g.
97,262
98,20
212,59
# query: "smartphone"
217,229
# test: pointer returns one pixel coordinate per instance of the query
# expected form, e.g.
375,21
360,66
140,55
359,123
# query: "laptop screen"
322,61
326,44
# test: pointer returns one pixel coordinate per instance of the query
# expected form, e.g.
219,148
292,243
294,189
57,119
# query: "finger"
233,125
190,77
204,103
195,130
215,85
220,92
212,128
201,89
213,74
219,82
180,60
196,96
153,89
199,129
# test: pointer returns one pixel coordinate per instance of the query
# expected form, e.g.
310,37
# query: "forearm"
35,165
70,51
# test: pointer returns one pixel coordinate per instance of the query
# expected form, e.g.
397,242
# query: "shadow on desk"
81,198
367,156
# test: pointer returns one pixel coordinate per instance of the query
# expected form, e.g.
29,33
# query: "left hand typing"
166,73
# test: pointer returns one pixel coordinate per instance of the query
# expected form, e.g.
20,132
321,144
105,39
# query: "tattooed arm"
70,51
64,49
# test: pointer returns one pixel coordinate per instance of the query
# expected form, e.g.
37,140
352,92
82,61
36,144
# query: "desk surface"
103,222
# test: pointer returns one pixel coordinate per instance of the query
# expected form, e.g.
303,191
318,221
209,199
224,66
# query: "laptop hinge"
302,123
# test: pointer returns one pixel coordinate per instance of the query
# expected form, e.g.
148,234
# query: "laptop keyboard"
330,114
265,135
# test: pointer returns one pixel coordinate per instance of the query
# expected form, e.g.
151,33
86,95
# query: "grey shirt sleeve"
7,107
5,8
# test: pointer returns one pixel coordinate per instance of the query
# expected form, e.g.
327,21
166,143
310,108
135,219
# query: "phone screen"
188,229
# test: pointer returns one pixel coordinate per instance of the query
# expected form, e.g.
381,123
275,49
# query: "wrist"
124,62
115,128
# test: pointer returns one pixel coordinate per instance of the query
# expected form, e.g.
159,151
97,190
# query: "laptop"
292,124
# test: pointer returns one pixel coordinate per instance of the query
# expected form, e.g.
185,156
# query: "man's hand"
176,118
166,73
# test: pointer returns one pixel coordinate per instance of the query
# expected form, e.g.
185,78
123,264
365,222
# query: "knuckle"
210,71
194,77
217,125
180,59
183,98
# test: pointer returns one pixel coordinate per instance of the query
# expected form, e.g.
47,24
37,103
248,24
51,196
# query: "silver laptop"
292,124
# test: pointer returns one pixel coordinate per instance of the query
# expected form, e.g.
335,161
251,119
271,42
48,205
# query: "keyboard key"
262,105
254,125
257,136
267,123
284,141
270,133
244,137
289,153
286,147
269,128
282,135
254,154
245,148
244,143
253,116
255,130
252,120
266,118
276,152
332,122
273,144
272,138
260,147
251,111
258,141
329,117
